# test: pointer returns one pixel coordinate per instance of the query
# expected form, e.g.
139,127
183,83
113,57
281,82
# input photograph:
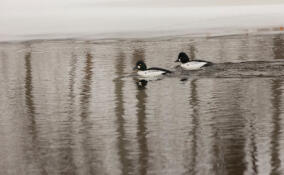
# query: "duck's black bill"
134,68
177,60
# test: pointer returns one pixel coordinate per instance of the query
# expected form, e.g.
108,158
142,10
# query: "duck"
190,64
150,72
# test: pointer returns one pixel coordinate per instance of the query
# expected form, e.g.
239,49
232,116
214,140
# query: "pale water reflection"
74,107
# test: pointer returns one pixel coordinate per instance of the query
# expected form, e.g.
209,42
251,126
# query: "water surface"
75,107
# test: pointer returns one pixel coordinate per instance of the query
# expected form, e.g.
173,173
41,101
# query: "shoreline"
217,32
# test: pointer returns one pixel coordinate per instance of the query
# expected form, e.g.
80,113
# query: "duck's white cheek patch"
138,67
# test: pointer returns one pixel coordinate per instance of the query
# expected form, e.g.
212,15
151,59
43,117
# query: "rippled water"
75,107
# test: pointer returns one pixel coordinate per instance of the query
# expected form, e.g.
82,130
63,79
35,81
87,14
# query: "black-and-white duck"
150,72
190,64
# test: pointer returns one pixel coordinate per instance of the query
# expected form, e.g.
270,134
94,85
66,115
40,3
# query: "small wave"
247,69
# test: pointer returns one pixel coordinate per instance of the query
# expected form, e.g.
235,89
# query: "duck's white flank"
150,73
193,65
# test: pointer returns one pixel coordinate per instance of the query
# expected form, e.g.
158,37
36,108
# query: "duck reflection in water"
141,84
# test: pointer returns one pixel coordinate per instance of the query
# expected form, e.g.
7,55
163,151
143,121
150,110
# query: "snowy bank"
106,21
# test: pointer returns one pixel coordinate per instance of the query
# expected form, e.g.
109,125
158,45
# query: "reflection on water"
74,107
122,142
278,49
31,117
141,97
141,84
193,102
276,86
276,120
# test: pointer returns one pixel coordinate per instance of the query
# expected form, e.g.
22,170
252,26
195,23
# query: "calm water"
75,107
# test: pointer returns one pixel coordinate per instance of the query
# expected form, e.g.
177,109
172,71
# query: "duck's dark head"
140,65
182,57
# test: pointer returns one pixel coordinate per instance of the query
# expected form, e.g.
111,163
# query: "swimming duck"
150,72
189,64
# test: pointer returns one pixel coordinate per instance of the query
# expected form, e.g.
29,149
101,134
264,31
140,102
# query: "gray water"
76,107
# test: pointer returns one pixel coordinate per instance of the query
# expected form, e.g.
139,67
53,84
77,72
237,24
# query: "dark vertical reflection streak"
4,65
218,152
222,49
230,127
31,113
86,86
142,131
276,121
68,164
232,146
278,47
141,123
278,50
192,51
84,107
243,51
73,65
193,101
29,89
138,54
124,157
253,149
235,144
